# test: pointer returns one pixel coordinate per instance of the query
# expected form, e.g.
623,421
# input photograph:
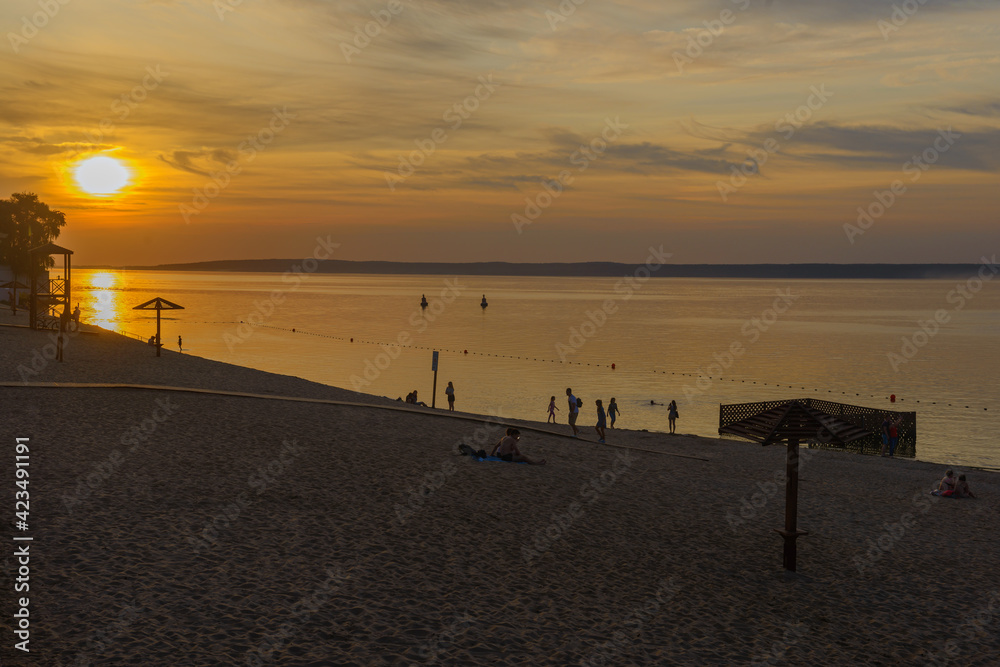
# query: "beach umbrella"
158,304
792,423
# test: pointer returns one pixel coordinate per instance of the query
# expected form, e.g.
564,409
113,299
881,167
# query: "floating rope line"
609,366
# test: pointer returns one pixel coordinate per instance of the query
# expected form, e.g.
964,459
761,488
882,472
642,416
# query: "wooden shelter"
793,422
43,309
48,295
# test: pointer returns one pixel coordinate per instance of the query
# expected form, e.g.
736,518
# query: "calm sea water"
765,340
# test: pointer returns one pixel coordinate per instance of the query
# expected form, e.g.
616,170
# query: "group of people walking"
574,404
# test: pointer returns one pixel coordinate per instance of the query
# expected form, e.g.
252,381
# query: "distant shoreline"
583,269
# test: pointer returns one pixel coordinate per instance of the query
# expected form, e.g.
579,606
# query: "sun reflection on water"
101,296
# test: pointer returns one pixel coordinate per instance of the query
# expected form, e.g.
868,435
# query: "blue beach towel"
498,460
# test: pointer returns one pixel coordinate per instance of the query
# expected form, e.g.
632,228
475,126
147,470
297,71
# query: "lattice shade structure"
863,417
793,422
797,421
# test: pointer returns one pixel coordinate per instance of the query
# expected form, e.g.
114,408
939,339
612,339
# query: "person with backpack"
574,410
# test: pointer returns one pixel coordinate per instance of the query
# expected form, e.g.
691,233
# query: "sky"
746,131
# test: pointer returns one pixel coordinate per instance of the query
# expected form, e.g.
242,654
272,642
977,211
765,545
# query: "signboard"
434,361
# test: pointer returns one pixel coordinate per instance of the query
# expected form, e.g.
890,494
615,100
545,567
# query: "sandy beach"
181,528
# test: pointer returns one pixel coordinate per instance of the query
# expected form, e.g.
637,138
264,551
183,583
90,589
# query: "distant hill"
592,269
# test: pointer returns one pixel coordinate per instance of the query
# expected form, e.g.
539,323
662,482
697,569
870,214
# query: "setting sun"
101,175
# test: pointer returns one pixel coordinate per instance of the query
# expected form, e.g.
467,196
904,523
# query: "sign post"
434,367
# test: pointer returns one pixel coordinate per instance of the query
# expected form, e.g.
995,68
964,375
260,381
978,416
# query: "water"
832,341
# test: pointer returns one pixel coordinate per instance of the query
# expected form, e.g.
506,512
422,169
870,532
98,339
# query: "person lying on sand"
507,449
962,489
946,487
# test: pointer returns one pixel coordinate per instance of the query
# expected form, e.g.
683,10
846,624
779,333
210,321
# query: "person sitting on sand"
416,402
507,449
962,489
946,487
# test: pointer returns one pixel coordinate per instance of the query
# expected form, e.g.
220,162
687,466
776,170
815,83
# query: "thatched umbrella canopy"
792,423
158,304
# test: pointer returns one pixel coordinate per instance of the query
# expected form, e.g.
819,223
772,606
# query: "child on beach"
507,449
613,411
962,489
600,421
672,416
946,487
552,410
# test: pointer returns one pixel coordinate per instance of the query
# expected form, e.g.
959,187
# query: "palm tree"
26,223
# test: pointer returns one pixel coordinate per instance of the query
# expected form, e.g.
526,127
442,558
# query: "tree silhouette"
26,223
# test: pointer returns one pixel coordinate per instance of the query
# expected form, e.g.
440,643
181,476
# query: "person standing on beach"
672,416
885,434
893,436
180,344
613,411
552,410
450,393
574,411
600,421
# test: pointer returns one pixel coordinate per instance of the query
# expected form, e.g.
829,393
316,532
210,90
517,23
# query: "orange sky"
518,131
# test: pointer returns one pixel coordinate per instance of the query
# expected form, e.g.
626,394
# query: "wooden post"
158,330
791,531
434,390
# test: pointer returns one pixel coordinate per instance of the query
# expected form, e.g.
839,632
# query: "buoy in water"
352,340
423,300
612,367
892,398
466,352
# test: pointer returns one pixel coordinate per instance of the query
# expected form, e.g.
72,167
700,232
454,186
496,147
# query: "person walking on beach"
672,416
613,411
507,450
552,411
574,411
76,314
600,421
450,393
180,344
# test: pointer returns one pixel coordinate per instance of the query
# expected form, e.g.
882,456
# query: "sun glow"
101,176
